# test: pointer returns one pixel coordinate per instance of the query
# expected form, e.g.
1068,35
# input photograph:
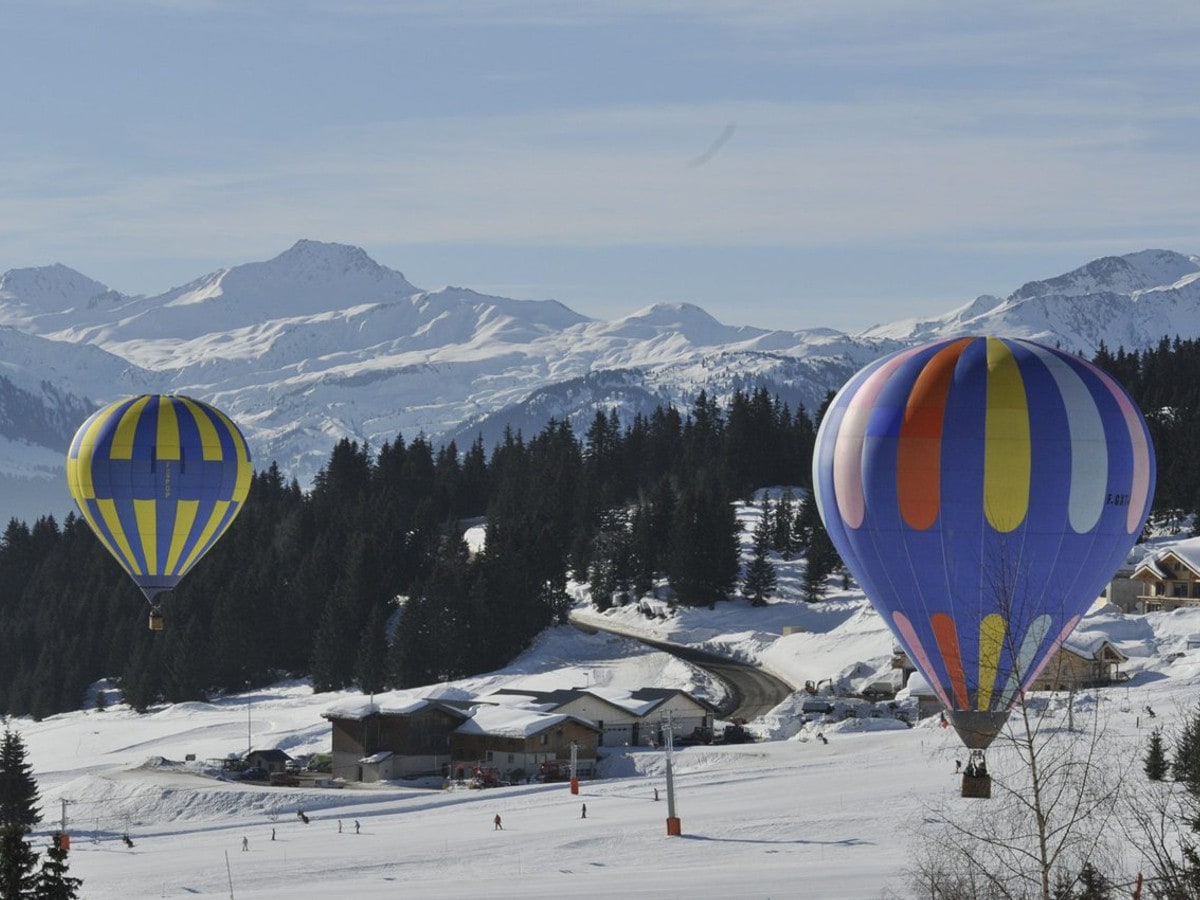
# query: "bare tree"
1054,787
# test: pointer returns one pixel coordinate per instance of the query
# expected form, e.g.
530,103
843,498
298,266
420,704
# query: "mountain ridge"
322,342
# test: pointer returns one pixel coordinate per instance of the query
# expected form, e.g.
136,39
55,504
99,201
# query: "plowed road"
750,692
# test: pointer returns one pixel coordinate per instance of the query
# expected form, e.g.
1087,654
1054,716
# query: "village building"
625,718
1085,659
512,743
379,743
271,761
1169,578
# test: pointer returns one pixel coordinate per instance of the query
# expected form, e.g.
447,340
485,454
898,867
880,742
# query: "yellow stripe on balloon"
98,529
210,528
166,440
122,443
1007,451
83,462
145,512
210,441
245,470
991,640
185,517
108,511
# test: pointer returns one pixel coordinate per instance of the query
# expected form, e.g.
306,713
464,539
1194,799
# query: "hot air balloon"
158,478
982,491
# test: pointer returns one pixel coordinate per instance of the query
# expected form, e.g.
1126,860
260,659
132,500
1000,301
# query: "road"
750,692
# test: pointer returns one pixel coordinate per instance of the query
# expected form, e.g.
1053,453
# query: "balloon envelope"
158,478
983,491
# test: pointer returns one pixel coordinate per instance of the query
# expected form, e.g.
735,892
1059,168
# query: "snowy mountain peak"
1127,274
317,258
26,294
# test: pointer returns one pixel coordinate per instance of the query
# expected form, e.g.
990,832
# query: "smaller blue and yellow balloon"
159,478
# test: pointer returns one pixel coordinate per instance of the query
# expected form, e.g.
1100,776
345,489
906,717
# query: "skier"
496,826
356,826
245,844
583,812
656,793
339,826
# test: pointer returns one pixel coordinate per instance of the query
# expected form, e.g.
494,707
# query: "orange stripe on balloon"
919,451
946,636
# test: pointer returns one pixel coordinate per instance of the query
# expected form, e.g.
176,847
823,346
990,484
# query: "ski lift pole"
674,827
574,770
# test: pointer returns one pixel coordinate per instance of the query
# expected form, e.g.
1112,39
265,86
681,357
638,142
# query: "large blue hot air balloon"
983,491
158,478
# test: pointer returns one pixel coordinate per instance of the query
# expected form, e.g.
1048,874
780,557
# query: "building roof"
359,709
641,702
375,758
272,755
1091,645
501,721
1186,551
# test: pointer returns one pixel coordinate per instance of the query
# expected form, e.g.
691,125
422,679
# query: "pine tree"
782,537
53,882
17,861
371,665
1185,767
760,573
1156,757
18,788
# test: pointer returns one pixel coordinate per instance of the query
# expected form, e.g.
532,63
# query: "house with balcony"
1169,578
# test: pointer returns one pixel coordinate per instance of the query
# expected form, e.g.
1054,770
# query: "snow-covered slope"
321,342
787,816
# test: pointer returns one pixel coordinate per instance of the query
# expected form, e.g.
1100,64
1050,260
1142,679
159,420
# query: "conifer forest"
365,580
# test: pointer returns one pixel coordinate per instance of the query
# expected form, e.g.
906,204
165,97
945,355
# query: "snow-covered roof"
508,722
1186,551
362,709
640,702
1089,644
375,758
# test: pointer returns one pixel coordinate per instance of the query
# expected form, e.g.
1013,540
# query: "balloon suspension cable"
976,764
156,616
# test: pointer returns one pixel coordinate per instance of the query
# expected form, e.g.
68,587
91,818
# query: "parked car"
284,779
254,773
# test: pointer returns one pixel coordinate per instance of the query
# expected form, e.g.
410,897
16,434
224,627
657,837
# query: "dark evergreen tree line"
365,579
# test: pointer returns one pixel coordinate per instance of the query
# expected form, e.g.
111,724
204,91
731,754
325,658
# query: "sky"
781,164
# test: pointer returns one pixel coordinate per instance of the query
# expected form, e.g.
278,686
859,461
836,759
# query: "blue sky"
782,163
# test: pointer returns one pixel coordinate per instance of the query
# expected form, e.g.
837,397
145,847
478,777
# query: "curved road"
750,691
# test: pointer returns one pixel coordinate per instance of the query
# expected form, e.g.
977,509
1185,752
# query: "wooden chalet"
508,741
1084,660
1170,578
378,743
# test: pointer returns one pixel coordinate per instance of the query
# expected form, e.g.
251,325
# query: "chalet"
1170,578
272,761
509,740
1085,659
377,743
625,718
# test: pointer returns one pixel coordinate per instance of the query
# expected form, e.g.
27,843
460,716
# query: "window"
545,739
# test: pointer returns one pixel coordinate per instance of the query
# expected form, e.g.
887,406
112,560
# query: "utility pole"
674,826
574,774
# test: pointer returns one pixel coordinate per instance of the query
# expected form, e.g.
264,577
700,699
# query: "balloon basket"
674,827
156,620
574,785
61,840
977,786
